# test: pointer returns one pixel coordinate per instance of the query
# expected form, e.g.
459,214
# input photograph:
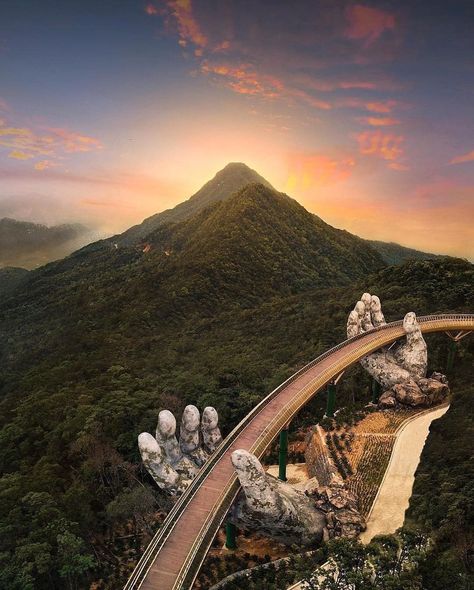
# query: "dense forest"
214,310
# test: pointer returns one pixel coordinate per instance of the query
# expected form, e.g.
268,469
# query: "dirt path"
391,502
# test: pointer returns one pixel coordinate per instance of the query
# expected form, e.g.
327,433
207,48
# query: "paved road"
388,511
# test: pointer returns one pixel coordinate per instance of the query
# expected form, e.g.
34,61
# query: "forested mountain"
395,254
225,183
29,245
10,279
215,309
254,246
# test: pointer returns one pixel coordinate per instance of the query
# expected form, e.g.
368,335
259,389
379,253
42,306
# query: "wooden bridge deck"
174,556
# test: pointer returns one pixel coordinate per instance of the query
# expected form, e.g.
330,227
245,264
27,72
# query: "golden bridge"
174,556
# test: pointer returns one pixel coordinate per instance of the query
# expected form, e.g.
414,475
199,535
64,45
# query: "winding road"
389,507
175,554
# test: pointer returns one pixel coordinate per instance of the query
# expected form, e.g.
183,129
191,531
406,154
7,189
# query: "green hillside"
10,279
396,254
217,309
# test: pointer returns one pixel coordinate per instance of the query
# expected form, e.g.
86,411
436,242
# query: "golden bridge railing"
378,337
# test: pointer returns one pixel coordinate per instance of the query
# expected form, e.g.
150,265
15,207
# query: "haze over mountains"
29,245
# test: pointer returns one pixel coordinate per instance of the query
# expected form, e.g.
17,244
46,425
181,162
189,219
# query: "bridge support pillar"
375,391
451,355
331,403
230,536
283,455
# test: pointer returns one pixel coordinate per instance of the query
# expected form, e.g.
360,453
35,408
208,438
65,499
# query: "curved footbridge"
175,554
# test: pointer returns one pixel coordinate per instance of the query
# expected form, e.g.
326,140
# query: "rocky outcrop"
340,507
425,393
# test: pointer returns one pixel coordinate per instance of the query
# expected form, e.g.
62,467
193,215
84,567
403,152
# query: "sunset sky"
111,111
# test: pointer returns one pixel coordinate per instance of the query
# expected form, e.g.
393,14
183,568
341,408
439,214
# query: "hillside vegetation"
392,253
225,183
216,309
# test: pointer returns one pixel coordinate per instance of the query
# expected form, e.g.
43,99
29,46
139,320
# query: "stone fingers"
413,354
211,434
378,318
189,436
273,507
161,471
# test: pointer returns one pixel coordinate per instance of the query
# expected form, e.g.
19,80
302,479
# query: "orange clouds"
151,10
188,27
469,157
243,79
379,121
72,142
25,143
18,155
368,24
386,106
382,145
308,171
45,164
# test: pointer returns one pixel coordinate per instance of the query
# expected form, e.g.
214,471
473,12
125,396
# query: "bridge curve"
176,552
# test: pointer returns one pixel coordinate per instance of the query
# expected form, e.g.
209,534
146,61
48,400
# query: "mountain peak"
232,178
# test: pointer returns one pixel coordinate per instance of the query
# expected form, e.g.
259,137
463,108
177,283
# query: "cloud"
244,79
469,157
381,145
379,121
188,27
291,56
386,106
72,142
45,164
368,24
151,10
398,166
25,143
18,155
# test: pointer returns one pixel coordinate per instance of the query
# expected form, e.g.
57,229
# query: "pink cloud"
368,24
243,79
469,157
386,146
45,164
386,106
151,9
379,121
189,28
25,143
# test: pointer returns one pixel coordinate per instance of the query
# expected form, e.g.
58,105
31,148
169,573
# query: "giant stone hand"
400,369
265,503
273,507
171,464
